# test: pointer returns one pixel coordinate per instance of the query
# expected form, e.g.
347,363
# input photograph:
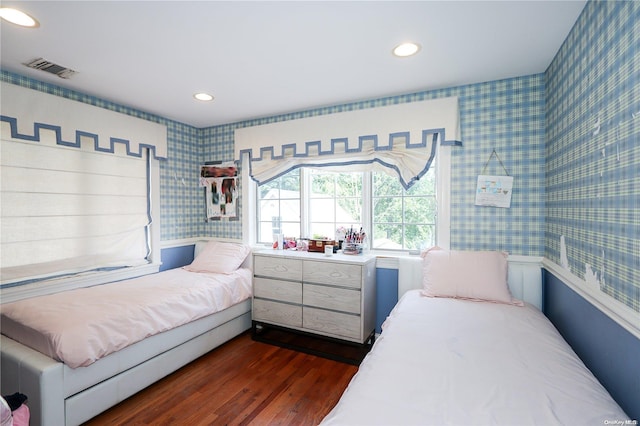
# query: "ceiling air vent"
50,67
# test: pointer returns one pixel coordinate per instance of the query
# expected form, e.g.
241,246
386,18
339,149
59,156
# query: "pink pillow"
220,257
474,275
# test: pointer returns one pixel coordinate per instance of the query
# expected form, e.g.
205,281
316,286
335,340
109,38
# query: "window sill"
86,279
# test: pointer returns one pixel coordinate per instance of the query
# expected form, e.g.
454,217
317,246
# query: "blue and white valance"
29,112
399,138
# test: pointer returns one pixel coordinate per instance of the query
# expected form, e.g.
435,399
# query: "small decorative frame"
220,183
494,191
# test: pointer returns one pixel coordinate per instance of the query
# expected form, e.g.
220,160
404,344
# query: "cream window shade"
399,138
68,210
71,204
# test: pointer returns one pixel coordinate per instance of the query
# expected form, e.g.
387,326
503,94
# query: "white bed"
454,361
186,313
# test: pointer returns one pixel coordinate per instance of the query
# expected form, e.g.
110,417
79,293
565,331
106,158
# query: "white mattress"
455,362
78,327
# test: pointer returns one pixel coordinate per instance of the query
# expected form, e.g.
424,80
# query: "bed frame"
59,395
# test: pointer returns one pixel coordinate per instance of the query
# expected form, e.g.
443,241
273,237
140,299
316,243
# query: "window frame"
443,201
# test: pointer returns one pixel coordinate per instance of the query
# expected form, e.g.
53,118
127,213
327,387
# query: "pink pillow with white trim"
219,257
473,275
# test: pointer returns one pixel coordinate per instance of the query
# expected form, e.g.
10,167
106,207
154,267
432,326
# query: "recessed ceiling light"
406,49
204,97
18,17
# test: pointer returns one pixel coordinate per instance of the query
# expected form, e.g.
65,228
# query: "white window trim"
443,197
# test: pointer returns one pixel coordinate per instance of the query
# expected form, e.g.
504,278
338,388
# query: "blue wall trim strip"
608,350
13,123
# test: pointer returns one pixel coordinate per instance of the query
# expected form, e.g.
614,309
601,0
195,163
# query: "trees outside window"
314,203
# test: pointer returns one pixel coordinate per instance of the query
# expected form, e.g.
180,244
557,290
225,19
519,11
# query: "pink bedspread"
78,327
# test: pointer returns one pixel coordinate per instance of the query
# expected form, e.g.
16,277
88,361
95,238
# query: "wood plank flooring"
243,382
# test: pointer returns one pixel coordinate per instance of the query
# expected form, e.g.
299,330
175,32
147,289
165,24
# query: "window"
79,193
335,200
404,219
279,207
68,209
314,203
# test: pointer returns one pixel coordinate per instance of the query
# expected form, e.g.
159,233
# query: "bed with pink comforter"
76,353
459,349
81,326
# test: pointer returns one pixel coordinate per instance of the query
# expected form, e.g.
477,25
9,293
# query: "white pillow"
474,275
219,257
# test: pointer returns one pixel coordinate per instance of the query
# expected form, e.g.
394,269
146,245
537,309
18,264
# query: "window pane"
404,219
322,184
269,208
279,207
401,219
384,184
269,190
323,230
388,209
336,201
290,184
425,186
268,230
349,185
349,211
419,209
291,229
290,210
418,237
322,210
386,236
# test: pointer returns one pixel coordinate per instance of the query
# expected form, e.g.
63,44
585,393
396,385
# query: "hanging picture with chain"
494,191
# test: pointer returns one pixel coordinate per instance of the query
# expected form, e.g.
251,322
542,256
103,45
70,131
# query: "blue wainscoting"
175,257
386,294
608,350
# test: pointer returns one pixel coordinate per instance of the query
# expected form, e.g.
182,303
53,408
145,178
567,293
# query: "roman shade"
75,187
399,138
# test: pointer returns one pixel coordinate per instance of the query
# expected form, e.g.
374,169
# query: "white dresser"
333,296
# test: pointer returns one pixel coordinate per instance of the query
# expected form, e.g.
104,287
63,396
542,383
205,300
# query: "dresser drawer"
339,299
284,291
335,323
341,274
277,313
278,267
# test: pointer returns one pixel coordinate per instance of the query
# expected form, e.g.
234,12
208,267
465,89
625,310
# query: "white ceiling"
266,58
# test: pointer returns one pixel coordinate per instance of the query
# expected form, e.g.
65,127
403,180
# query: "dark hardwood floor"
243,382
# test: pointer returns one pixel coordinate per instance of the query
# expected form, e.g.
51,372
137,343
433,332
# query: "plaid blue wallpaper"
507,116
588,102
593,148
